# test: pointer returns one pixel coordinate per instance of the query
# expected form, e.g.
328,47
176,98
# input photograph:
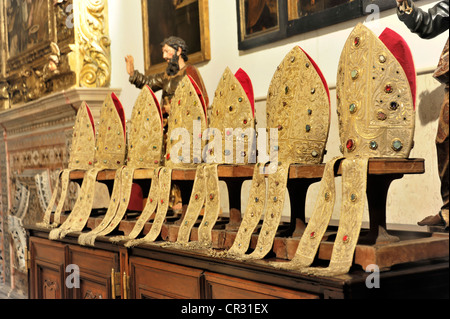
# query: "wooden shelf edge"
377,166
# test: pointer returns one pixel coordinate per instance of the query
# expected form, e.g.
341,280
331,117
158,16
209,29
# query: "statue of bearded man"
174,51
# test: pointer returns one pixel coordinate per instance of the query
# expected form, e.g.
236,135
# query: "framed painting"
187,19
28,27
47,46
260,22
27,31
265,21
308,15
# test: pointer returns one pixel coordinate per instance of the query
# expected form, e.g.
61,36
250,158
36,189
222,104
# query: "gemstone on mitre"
350,145
397,145
388,88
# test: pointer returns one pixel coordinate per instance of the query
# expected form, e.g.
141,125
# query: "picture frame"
309,15
187,19
28,26
27,31
260,22
301,16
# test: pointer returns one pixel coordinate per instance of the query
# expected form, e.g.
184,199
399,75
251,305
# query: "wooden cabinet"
88,271
153,272
101,271
47,269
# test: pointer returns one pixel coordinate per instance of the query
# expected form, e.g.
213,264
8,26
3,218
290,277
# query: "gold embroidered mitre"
298,105
375,104
110,147
233,114
145,144
83,140
111,139
146,134
375,95
187,121
81,157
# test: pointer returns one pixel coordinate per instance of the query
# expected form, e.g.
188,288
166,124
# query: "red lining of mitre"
157,104
120,111
136,202
91,118
316,67
199,93
246,84
400,49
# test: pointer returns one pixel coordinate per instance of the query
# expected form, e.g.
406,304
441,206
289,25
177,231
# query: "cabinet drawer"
159,280
227,287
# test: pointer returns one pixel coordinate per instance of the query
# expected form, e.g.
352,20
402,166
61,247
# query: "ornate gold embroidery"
277,183
82,208
196,202
376,119
146,126
119,201
165,176
380,97
145,138
187,121
252,216
212,205
232,117
318,223
108,155
298,106
81,158
149,209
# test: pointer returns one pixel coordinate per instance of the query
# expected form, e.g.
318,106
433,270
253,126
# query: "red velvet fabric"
199,93
320,74
195,75
136,202
157,103
91,118
400,49
246,84
120,111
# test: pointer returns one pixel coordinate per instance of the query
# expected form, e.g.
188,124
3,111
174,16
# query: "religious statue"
428,25
174,51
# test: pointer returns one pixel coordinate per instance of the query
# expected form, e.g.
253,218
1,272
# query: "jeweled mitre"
111,139
233,115
298,106
187,121
146,134
83,140
376,95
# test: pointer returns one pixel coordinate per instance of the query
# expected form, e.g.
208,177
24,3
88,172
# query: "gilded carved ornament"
74,51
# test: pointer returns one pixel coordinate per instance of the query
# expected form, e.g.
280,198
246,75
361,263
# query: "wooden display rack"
376,245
